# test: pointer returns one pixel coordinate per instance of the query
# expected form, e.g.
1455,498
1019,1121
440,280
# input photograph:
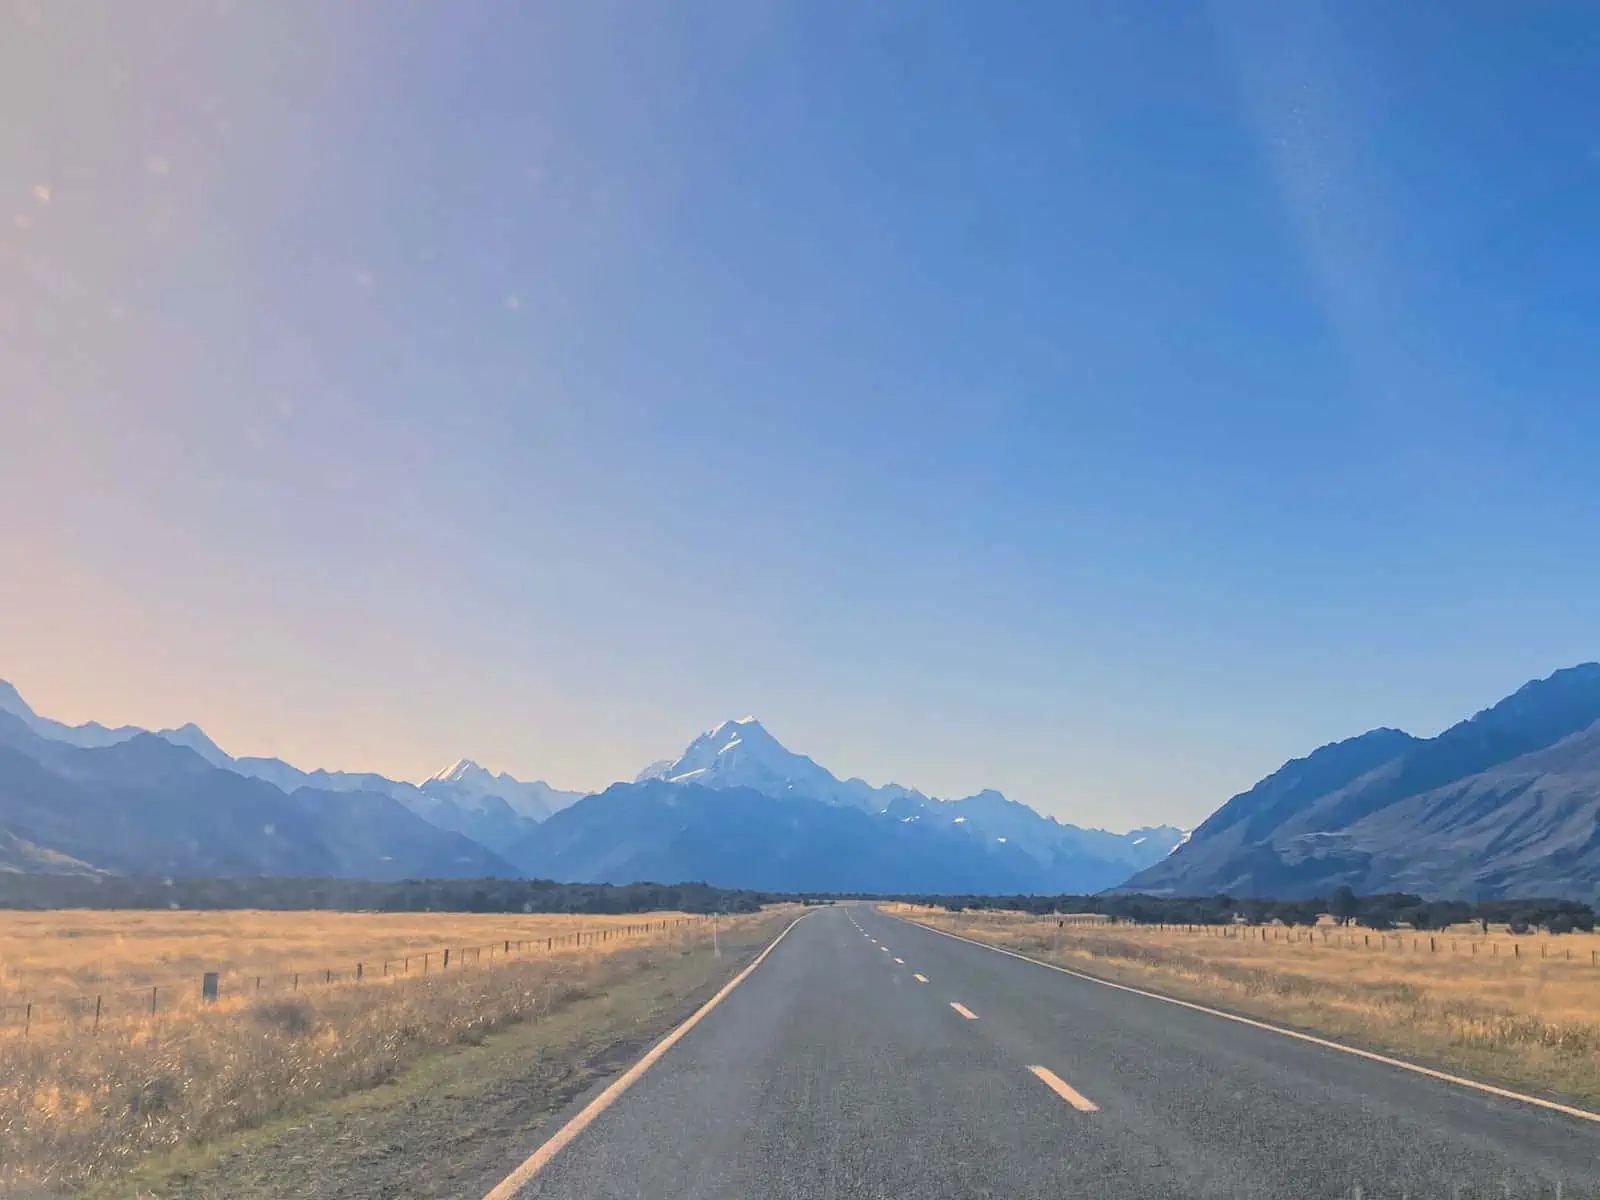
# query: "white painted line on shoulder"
964,1011
920,978
536,1162
1370,1055
901,961
1065,1090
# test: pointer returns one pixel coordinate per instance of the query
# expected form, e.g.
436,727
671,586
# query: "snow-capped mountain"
736,806
494,809
743,754
468,784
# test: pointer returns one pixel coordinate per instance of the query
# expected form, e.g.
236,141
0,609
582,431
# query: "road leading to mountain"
868,1057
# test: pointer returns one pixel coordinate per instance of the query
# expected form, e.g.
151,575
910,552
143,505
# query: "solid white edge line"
581,1120
1371,1055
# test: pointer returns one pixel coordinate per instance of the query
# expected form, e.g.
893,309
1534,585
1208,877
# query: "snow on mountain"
463,798
469,784
499,810
743,754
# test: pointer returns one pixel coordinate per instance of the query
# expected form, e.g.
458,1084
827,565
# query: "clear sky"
1101,402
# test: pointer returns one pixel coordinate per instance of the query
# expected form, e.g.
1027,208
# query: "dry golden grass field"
79,1104
1522,1009
60,961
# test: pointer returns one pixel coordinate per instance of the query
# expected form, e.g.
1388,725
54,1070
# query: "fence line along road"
1341,937
87,1009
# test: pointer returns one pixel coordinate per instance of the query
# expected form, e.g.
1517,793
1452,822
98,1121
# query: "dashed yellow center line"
920,978
964,1011
1065,1090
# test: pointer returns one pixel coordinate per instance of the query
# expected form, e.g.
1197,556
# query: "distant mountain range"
736,808
146,806
1504,804
494,810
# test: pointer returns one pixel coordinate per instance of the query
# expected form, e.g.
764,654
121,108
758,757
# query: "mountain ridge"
1506,802
984,837
984,840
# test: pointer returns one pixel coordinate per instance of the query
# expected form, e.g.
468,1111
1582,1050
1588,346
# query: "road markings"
1065,1090
1370,1055
920,978
885,949
964,1011
901,961
540,1158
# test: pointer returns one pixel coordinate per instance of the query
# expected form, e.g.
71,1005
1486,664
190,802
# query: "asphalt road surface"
869,1058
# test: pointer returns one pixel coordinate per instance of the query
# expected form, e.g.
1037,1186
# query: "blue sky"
1099,402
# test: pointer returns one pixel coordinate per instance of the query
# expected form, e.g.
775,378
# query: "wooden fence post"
152,1002
360,967
208,987
446,965
27,1018
97,1016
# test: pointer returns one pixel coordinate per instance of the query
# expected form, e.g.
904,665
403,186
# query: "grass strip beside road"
1523,1022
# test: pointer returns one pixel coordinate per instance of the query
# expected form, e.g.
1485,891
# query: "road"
870,1058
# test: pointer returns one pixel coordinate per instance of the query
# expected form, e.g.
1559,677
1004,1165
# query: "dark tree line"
1381,911
353,895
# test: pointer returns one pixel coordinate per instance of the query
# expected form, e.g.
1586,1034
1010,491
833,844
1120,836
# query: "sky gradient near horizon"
1098,402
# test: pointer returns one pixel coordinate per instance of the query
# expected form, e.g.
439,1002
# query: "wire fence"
1548,948
87,1011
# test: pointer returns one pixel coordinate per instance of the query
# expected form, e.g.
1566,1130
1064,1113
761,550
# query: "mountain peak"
739,726
456,772
742,753
194,738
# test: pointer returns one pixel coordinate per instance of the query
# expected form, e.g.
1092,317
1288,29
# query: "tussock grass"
75,1107
1529,1020
73,953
